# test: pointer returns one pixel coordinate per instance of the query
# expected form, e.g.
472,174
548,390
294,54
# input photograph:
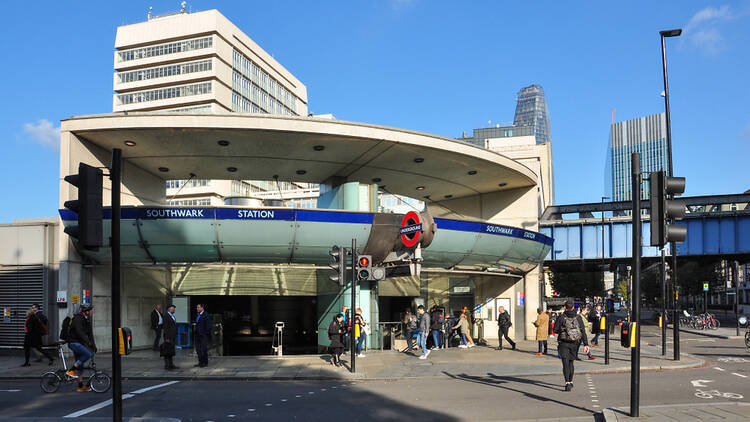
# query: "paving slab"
682,413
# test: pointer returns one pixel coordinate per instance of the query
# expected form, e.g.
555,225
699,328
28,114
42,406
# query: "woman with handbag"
361,331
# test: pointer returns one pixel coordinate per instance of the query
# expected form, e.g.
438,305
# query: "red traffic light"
364,261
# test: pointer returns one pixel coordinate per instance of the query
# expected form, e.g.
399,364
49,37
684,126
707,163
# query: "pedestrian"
202,335
462,326
587,330
346,322
32,338
595,317
40,317
542,331
503,325
361,331
157,324
170,338
424,331
336,333
570,333
469,320
437,320
410,327
81,342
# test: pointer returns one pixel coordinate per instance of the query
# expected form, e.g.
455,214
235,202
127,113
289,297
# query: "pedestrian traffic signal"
364,267
665,211
125,341
338,263
88,207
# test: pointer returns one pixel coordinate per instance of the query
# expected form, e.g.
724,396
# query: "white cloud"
43,133
703,28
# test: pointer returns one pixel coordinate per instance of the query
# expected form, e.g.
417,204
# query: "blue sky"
436,66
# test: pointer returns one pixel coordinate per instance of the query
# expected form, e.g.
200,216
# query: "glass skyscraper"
531,110
646,135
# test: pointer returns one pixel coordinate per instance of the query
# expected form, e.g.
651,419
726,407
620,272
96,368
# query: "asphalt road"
460,398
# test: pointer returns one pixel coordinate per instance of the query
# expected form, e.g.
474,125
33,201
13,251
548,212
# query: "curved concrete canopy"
262,146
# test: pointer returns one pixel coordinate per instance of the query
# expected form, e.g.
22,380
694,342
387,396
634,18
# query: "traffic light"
338,264
126,340
364,267
88,207
664,210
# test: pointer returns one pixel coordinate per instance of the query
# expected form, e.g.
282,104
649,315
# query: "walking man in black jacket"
503,325
202,335
170,338
570,332
157,324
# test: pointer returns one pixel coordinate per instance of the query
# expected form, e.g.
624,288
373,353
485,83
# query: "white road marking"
700,383
322,389
124,397
230,416
719,369
268,405
251,410
739,375
298,396
311,392
9,391
283,399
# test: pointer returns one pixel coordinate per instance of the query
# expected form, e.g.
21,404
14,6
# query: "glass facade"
645,135
165,48
164,93
531,110
255,91
164,71
190,202
193,183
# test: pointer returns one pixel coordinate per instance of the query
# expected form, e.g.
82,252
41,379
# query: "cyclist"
81,342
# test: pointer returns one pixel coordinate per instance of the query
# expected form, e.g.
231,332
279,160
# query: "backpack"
65,330
571,330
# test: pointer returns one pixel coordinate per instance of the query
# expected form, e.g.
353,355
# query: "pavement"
721,332
377,365
730,411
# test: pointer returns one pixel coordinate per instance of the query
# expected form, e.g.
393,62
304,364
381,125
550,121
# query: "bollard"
605,325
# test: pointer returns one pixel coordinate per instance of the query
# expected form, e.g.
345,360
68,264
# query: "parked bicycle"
98,381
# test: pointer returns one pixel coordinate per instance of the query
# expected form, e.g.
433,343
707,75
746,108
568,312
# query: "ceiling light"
376,180
502,184
301,172
319,147
472,172
419,160
223,143
163,169
130,143
420,187
231,169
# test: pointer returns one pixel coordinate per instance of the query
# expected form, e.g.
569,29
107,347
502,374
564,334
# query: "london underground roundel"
411,229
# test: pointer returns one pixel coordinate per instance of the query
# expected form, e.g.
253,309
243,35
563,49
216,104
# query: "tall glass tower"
531,110
646,135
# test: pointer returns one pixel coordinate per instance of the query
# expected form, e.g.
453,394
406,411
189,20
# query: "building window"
165,93
164,71
167,48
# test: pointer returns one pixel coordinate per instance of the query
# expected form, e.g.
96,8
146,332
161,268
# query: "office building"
646,135
531,110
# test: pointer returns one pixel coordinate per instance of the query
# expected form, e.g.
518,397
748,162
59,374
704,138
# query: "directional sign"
700,383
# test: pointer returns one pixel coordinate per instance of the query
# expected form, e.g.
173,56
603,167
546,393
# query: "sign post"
115,177
635,335
705,298
352,310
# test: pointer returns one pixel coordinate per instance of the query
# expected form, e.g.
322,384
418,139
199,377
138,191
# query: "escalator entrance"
249,322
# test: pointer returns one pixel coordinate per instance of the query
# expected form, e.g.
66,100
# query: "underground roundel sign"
411,229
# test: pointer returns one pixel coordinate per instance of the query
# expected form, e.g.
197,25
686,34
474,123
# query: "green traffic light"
363,274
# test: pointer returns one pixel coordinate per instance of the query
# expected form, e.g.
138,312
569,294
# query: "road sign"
705,287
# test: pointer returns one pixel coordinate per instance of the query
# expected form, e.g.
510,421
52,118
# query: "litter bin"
184,335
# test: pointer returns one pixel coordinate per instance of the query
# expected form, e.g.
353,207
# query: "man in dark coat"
32,339
503,325
157,324
81,342
570,333
202,335
336,333
170,338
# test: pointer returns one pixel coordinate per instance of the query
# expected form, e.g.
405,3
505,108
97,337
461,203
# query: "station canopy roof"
302,149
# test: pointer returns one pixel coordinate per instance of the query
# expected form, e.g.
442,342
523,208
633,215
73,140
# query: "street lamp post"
673,246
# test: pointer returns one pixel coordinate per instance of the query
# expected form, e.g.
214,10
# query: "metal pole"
606,338
116,176
736,277
352,340
635,357
672,245
662,273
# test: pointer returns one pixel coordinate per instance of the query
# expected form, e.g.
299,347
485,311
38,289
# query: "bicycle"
98,381
709,394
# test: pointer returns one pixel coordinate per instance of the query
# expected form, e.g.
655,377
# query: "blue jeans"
436,338
422,342
81,353
463,339
360,342
543,346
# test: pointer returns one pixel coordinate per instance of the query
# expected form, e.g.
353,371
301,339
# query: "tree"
578,284
622,289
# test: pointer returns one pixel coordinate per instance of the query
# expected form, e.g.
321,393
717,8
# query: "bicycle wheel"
703,395
50,382
747,339
732,396
100,382
717,324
